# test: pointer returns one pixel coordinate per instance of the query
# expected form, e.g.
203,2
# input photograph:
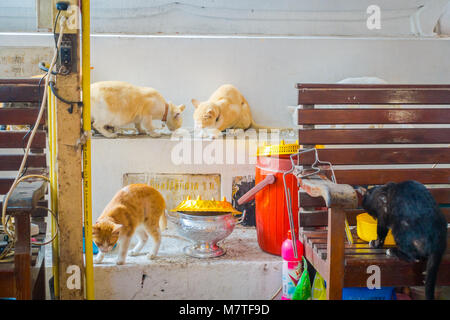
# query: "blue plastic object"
385,293
94,247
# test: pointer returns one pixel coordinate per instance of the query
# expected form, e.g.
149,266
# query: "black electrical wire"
52,87
32,125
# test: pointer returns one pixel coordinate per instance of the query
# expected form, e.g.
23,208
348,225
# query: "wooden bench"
414,153
24,277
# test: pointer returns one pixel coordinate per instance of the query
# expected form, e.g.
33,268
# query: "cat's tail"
163,221
433,263
254,125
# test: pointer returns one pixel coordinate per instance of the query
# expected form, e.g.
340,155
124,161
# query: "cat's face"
174,118
105,235
206,114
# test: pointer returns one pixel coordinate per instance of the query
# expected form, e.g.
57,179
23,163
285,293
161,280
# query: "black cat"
418,226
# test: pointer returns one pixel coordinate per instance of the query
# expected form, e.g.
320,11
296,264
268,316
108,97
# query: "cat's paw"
133,253
151,256
374,243
390,253
97,261
120,262
154,134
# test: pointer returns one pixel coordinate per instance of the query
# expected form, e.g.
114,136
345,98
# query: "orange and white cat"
135,208
226,108
117,104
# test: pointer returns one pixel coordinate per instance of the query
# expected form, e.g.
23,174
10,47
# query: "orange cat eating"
135,208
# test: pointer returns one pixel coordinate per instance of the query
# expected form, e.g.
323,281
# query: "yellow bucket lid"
366,228
199,205
282,148
277,149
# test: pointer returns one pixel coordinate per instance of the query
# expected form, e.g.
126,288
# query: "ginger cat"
225,108
135,208
117,104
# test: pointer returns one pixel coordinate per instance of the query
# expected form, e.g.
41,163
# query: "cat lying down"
225,109
117,104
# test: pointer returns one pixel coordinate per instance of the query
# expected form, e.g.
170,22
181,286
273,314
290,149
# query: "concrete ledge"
244,272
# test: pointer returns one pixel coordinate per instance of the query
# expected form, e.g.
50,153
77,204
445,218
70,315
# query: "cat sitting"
116,104
226,108
135,208
418,226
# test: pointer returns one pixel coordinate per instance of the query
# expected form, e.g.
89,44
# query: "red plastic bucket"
272,221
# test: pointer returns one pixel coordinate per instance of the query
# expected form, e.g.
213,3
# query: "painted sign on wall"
22,62
176,187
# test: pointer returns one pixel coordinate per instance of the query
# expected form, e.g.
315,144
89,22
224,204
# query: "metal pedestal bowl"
205,230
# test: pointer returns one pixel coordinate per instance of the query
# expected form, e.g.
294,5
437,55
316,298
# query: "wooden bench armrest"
337,198
20,205
335,195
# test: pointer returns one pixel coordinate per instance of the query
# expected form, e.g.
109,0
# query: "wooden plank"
21,91
22,256
5,184
372,94
379,156
374,136
320,218
12,162
441,195
69,194
19,116
373,116
335,260
15,139
382,176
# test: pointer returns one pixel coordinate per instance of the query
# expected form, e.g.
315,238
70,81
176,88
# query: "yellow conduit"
51,105
86,84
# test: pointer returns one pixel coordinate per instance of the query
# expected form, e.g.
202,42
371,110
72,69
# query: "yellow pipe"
51,102
86,87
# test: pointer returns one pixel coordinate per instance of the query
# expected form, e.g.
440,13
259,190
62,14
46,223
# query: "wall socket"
65,56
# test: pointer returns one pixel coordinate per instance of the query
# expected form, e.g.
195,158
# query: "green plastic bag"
319,292
303,289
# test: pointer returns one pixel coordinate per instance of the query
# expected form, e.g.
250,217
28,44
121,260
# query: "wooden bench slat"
441,195
21,90
382,176
379,156
374,136
373,116
14,139
12,162
372,94
19,116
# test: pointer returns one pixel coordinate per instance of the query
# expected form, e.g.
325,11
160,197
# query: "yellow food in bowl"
366,228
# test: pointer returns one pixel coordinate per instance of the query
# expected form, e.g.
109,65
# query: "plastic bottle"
291,266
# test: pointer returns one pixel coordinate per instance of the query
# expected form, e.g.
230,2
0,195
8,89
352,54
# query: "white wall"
264,69
281,17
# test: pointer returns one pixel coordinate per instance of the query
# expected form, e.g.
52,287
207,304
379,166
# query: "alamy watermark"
235,147
374,20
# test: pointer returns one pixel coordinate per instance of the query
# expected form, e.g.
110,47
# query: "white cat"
117,104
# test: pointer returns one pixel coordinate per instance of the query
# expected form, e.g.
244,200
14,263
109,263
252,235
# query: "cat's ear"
181,108
117,228
195,103
95,229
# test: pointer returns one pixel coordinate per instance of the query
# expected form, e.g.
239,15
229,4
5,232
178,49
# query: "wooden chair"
322,230
24,277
